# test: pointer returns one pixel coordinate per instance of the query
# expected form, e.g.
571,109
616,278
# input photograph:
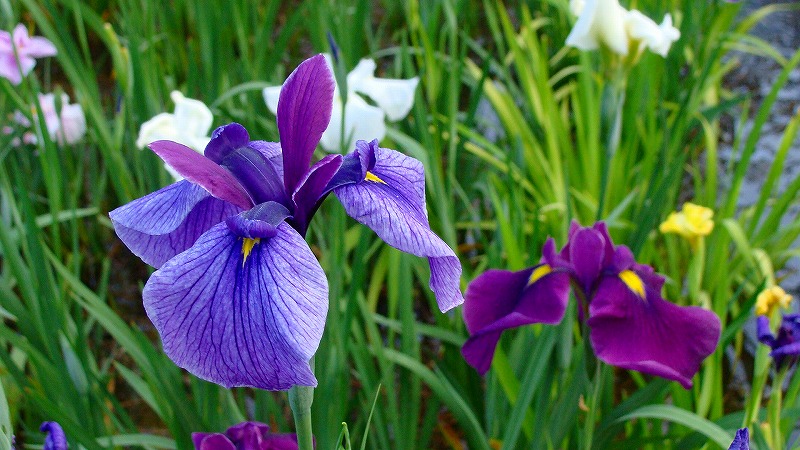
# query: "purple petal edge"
164,223
202,171
241,322
394,207
304,111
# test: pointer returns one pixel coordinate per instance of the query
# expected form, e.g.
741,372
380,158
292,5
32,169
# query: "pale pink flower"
27,49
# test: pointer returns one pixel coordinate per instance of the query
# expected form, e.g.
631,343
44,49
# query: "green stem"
775,405
591,416
613,102
300,400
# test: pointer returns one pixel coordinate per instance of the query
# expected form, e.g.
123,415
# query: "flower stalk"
300,400
612,104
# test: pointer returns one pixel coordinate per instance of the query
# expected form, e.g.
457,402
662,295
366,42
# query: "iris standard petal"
741,441
202,171
237,321
647,333
226,140
56,439
312,190
390,199
271,151
765,335
160,225
212,441
587,255
256,174
304,111
498,300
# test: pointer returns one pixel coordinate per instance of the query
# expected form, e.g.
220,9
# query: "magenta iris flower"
56,439
631,325
786,345
239,298
245,436
28,50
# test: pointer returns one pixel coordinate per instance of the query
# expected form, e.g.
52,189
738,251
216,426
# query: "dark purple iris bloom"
245,436
55,440
786,346
741,441
239,298
631,325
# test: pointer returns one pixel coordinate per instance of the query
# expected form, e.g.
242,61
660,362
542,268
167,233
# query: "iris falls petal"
160,225
498,300
390,199
649,334
237,322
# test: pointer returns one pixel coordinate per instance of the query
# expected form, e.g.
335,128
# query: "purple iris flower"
741,441
786,346
631,325
239,298
245,436
55,440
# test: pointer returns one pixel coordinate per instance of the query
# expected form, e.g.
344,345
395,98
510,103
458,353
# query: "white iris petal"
188,125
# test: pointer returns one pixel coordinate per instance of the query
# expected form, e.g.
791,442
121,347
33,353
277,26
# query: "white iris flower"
188,125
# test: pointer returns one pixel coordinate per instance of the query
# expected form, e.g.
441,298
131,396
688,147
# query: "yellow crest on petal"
633,282
771,298
247,247
372,177
538,273
692,222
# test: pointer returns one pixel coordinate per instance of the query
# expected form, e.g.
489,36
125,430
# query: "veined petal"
392,203
312,189
202,171
160,225
362,121
271,151
498,300
226,140
256,175
650,334
304,111
241,323
741,441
